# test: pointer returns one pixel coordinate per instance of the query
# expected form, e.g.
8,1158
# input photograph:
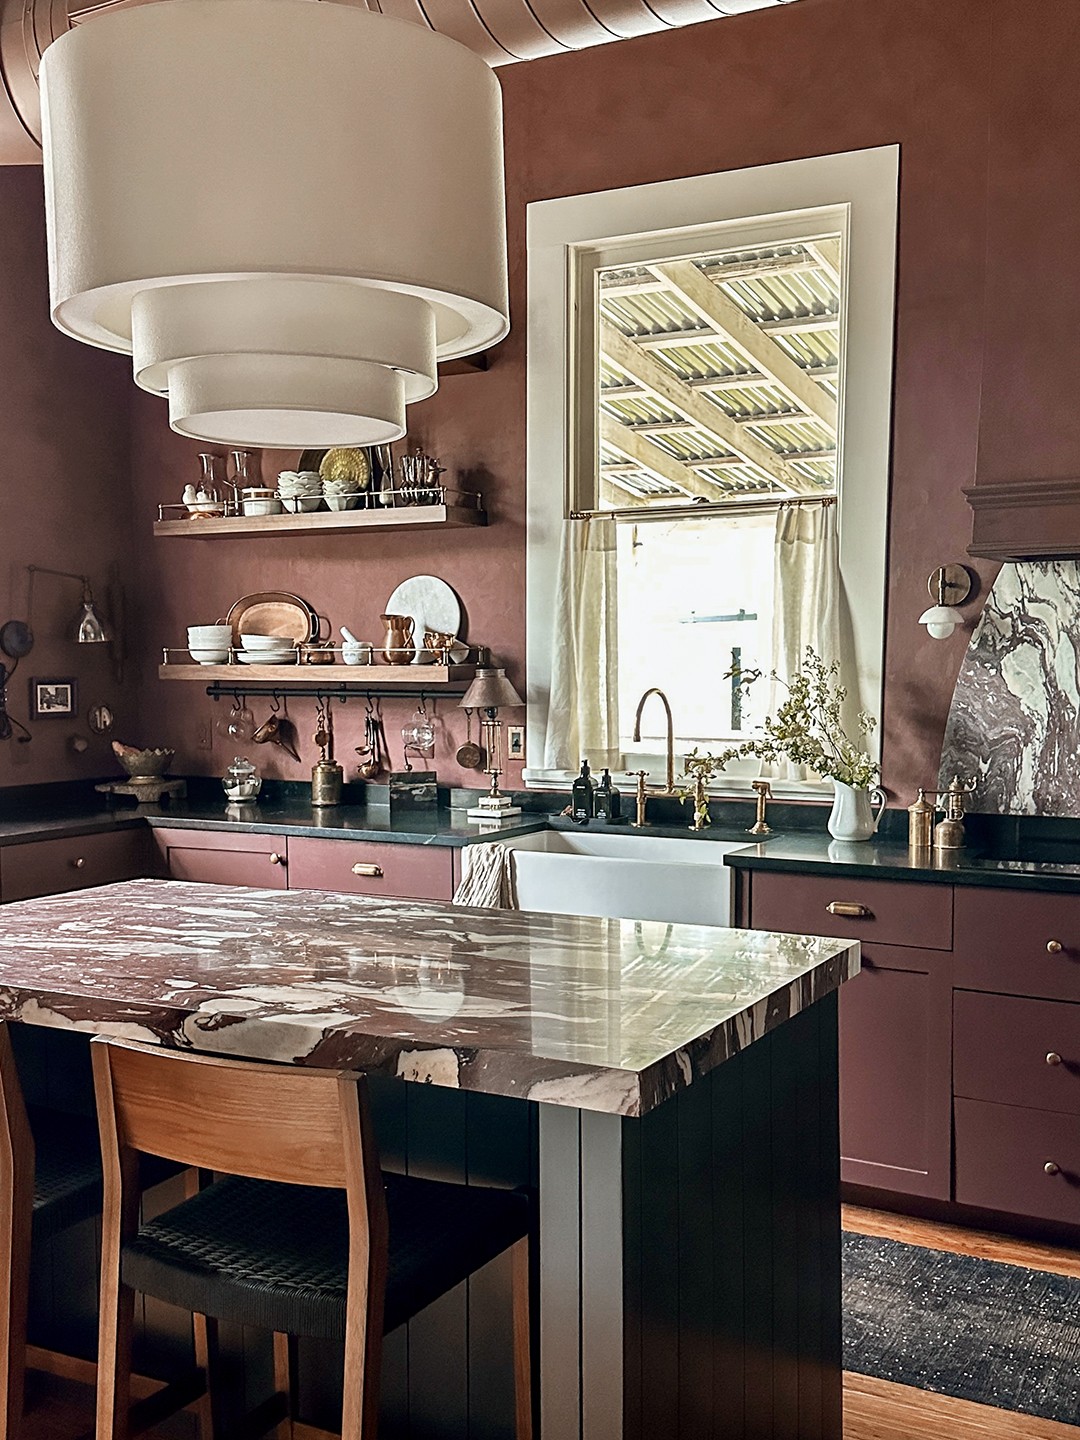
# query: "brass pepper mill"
921,822
326,775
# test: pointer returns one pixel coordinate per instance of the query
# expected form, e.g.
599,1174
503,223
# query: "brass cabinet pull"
1053,1058
78,864
275,858
1054,947
1051,1169
849,908
373,871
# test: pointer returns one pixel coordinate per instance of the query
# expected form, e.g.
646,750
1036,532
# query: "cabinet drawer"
892,913
361,867
217,858
1001,1155
46,867
1001,1050
1020,942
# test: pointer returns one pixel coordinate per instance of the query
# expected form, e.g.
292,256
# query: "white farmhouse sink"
624,877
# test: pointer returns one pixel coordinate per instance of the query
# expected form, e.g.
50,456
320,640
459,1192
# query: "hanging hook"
275,703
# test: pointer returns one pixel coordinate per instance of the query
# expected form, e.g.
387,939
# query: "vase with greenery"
808,729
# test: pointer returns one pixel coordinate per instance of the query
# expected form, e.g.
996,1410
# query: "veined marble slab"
1014,722
607,1015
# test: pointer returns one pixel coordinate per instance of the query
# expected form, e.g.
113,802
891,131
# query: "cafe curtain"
583,708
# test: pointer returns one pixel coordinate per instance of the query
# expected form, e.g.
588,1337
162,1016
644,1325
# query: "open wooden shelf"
416,517
364,677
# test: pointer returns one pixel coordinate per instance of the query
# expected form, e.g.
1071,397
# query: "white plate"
432,605
263,657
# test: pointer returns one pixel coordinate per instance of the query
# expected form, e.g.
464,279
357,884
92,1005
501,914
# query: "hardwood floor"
879,1410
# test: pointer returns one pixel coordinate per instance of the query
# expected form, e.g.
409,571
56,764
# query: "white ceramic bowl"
204,656
342,502
269,506
301,504
209,633
267,642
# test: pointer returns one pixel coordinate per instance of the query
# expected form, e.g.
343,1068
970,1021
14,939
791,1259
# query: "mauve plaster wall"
64,438
980,96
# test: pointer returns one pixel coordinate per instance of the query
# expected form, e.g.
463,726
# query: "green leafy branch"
807,729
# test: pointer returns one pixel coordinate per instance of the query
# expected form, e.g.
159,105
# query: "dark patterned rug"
997,1334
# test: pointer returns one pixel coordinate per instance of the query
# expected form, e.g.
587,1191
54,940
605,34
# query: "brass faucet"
764,794
642,797
670,788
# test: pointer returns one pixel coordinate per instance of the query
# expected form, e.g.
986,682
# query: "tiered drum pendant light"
286,212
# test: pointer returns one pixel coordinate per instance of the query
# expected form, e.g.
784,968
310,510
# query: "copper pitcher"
398,645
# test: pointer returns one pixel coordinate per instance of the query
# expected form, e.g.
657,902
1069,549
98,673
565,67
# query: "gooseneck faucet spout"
670,787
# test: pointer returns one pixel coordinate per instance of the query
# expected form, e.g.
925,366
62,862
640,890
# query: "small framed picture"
515,742
54,698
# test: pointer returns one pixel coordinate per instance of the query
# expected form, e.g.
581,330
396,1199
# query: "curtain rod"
683,512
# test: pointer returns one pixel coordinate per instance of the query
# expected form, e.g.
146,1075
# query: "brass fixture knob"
1051,1169
849,908
78,864
275,858
374,871
1054,947
1053,1058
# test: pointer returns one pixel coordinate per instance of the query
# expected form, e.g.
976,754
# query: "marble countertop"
810,854
606,1015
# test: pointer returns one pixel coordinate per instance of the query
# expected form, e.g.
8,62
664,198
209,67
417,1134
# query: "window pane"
751,336
695,601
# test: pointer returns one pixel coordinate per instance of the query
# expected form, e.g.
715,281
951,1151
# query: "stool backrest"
269,1122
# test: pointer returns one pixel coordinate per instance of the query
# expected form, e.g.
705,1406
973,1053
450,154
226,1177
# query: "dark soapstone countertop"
809,854
602,1015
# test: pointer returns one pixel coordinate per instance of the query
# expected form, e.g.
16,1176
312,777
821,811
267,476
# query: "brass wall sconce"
949,586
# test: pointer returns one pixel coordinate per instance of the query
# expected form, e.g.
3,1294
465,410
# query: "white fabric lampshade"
267,202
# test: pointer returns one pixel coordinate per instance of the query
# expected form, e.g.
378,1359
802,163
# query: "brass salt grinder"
921,822
947,836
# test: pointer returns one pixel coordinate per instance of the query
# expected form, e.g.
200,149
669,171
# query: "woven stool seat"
275,1256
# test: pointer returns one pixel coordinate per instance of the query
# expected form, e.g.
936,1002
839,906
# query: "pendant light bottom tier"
286,402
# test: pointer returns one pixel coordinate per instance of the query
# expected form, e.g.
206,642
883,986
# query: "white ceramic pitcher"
853,816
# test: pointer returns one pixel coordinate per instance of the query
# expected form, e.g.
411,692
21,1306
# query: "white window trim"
865,183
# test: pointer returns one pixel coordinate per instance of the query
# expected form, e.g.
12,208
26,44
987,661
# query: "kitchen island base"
690,1260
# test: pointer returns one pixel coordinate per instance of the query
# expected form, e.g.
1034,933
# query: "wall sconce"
949,586
489,692
90,629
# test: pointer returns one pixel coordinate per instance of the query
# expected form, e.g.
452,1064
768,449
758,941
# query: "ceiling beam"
655,461
752,380
620,496
664,427
658,380
827,254
720,311
738,270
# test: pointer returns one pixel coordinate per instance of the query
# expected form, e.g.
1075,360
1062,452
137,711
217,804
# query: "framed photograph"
54,698
515,742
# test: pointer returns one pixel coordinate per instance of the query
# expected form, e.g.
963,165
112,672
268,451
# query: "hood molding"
1025,519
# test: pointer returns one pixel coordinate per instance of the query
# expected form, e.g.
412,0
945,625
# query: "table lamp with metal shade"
488,693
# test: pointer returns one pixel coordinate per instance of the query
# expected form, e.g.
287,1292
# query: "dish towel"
487,878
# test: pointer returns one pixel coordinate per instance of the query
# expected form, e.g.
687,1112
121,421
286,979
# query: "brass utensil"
275,732
469,756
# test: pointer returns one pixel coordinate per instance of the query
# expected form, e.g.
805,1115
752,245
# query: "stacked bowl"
266,650
341,494
209,644
300,490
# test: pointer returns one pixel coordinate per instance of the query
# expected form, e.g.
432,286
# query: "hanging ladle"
469,756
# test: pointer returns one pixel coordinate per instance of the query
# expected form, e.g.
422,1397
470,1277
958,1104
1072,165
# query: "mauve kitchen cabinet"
895,1098
364,867
47,867
218,857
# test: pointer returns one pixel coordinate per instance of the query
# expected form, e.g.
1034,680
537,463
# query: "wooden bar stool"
50,1180
305,1235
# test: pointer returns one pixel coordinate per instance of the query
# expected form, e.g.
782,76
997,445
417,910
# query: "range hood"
1025,520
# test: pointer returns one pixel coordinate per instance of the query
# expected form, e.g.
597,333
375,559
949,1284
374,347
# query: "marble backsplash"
1014,722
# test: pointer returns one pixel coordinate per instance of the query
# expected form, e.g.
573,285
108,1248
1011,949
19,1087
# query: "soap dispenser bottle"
606,800
582,797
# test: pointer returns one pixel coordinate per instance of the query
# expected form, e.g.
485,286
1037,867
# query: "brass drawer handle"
1053,1058
374,872
850,909
1051,1169
275,858
1054,947
78,864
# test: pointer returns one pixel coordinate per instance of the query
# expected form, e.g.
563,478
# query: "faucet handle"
763,788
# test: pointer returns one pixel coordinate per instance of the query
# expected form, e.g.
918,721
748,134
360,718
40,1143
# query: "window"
696,369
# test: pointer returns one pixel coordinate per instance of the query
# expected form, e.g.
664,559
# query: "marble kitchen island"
670,1092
